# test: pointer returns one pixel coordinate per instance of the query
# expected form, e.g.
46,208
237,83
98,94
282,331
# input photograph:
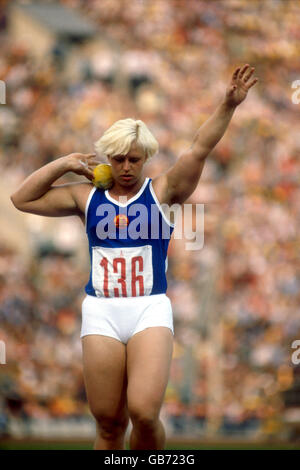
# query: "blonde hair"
118,139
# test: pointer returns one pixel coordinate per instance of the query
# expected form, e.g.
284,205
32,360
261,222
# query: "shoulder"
162,195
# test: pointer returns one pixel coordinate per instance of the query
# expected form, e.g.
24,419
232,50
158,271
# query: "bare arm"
38,195
182,179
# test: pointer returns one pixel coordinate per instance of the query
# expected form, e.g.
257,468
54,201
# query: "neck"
123,190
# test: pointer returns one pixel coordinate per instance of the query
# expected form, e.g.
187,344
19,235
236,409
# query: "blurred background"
72,68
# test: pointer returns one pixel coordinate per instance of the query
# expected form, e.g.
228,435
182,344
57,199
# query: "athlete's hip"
123,317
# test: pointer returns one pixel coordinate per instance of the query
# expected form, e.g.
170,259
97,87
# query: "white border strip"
91,193
159,206
111,199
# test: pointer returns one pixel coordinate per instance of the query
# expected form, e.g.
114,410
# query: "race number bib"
122,272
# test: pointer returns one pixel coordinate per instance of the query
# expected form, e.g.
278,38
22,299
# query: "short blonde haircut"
118,139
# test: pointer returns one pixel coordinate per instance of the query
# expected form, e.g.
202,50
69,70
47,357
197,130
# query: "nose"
126,165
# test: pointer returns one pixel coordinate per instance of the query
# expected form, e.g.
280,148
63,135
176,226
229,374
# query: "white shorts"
122,318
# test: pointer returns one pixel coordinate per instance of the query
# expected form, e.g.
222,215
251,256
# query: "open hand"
240,84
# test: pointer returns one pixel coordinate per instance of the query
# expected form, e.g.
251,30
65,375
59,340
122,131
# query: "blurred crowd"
235,301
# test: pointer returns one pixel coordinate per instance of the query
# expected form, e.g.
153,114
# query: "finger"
235,74
243,71
89,174
93,163
248,75
252,83
83,163
86,156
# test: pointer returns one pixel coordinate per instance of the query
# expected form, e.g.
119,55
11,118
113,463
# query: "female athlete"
127,325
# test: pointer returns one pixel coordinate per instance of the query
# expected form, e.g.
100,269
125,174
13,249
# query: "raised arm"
38,195
180,181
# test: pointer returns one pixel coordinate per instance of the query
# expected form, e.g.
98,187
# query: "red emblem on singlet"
121,221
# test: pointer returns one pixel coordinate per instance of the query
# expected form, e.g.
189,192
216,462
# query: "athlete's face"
127,169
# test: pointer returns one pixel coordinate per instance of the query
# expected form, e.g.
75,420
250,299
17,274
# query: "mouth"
126,177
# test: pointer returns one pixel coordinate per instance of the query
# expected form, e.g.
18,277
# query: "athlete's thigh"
149,356
104,370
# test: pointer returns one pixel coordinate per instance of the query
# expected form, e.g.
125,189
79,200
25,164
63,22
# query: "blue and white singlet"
128,244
